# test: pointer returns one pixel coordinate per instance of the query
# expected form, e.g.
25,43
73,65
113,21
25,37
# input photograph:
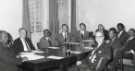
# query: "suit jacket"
18,45
123,37
103,56
116,46
60,39
46,43
80,37
130,45
8,61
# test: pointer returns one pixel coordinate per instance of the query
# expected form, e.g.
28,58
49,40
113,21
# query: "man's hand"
78,63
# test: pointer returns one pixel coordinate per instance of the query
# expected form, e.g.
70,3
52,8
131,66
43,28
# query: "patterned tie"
28,47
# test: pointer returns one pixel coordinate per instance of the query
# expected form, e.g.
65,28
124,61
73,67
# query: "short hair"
64,25
113,29
83,24
132,29
9,36
20,29
121,24
48,32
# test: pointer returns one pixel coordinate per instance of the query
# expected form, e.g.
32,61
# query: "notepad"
54,47
55,57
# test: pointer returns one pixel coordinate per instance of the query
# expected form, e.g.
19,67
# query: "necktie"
28,47
82,36
65,37
49,41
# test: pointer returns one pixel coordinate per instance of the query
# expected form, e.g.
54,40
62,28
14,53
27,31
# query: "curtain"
73,16
26,19
53,17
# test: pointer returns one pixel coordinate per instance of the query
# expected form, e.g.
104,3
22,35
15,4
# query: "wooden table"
52,64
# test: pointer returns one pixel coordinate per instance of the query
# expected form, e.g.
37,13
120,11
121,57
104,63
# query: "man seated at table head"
101,54
64,35
23,43
47,40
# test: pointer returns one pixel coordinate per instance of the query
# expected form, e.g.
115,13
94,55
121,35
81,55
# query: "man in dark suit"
116,46
114,41
101,55
8,61
129,47
22,43
47,40
82,34
64,36
122,34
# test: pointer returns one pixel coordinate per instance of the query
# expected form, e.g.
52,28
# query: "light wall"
11,16
106,12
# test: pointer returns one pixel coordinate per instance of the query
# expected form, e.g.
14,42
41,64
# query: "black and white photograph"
67,35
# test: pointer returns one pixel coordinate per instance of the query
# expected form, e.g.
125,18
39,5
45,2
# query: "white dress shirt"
82,32
64,34
25,44
120,33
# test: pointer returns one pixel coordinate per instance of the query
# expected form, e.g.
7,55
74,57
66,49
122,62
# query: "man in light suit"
22,43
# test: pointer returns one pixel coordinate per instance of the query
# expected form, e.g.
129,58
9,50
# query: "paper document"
37,51
76,52
55,57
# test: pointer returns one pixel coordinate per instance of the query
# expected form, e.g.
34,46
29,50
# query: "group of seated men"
111,45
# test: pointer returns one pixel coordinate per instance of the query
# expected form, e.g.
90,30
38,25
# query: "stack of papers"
55,57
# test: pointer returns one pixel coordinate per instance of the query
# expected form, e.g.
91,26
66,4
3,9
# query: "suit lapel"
20,44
